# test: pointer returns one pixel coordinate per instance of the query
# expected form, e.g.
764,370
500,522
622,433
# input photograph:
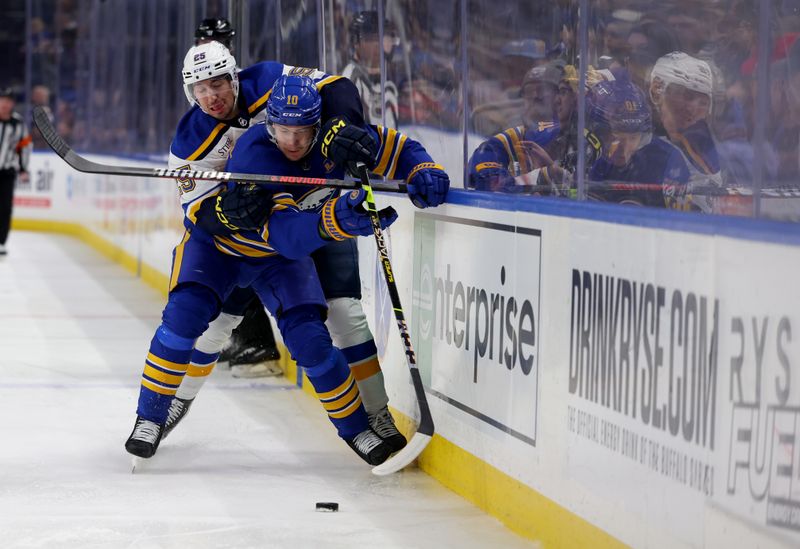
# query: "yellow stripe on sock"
366,369
158,388
342,400
347,411
200,371
163,377
166,364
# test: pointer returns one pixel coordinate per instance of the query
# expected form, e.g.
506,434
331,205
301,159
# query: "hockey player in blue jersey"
293,143
619,116
226,102
336,263
271,256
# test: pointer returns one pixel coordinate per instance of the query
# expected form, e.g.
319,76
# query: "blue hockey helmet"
619,106
294,101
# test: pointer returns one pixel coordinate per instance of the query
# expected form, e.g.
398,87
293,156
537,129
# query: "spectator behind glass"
364,68
681,89
496,162
496,99
540,157
785,134
619,116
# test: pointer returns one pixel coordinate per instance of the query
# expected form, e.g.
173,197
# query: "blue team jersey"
204,143
505,151
291,231
657,163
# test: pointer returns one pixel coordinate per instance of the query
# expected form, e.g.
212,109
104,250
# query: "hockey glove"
244,207
427,185
345,144
346,217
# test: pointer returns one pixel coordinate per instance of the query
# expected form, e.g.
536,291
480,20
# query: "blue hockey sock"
337,390
164,369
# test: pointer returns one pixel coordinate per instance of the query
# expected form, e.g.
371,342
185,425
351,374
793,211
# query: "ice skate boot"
144,439
256,361
177,409
383,425
370,447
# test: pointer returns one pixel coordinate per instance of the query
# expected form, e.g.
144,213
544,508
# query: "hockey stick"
85,165
425,428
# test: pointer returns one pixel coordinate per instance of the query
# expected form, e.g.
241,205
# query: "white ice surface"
244,469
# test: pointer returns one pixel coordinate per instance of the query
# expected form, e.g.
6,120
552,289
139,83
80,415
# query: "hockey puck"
327,506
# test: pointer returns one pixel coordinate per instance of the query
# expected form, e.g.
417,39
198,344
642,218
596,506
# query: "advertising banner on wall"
680,388
476,318
140,216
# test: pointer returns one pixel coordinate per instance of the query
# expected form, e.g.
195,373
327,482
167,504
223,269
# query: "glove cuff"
329,223
423,166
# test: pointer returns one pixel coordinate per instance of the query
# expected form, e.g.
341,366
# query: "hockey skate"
229,352
256,361
370,447
383,425
144,439
177,409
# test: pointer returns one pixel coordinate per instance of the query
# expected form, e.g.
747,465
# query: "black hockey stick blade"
78,162
425,428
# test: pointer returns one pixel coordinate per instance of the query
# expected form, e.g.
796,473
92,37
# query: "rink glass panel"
110,73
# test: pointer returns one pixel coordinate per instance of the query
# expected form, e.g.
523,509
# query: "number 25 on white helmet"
210,79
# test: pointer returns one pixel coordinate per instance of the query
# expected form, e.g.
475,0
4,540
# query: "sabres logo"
354,194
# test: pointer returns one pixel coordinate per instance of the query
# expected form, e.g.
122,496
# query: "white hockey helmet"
209,60
681,68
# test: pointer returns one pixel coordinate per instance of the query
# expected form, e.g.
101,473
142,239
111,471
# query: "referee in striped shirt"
15,146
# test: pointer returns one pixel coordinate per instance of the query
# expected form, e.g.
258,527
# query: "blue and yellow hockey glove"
427,185
345,217
346,144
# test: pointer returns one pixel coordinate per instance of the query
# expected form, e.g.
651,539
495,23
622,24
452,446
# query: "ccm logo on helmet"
331,133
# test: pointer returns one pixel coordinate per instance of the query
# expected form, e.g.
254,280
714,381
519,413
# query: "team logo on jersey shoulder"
301,71
185,185
329,166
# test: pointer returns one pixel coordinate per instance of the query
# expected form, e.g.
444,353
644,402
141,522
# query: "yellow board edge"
519,507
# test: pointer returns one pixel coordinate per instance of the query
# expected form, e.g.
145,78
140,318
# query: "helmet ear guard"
207,61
